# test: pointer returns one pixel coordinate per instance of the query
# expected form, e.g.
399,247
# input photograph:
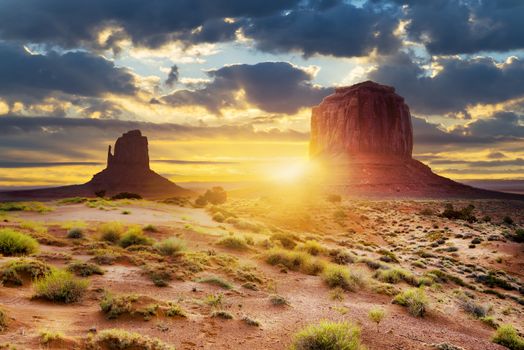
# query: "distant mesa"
127,171
364,137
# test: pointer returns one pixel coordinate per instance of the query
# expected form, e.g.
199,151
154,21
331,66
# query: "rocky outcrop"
363,136
363,119
127,171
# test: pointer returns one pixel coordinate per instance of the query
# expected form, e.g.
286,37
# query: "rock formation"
127,171
363,136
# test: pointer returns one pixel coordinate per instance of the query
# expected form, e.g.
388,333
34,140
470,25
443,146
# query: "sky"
224,88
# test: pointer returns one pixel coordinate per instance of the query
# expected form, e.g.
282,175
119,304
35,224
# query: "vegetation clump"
396,275
376,315
111,231
60,286
124,340
465,213
339,276
126,195
15,271
84,269
216,195
4,320
233,242
75,233
217,281
135,236
328,336
506,335
170,246
414,299
16,243
296,261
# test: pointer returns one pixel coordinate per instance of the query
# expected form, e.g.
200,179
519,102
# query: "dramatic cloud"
172,77
274,87
466,26
25,75
458,83
146,23
338,29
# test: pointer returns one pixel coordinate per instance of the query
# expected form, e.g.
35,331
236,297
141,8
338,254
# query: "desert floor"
225,270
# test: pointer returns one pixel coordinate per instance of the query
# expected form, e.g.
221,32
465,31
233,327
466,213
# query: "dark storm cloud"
466,26
24,75
275,87
460,83
147,23
333,28
172,77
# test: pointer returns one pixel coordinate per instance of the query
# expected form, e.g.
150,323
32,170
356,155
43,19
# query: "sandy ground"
396,225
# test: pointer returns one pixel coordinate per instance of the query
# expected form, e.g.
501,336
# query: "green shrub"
150,228
84,269
376,315
174,310
507,220
135,236
312,247
395,275
233,242
111,231
47,337
506,335
216,195
278,300
15,271
214,300
490,321
122,340
219,217
287,240
339,276
60,286
170,246
75,232
250,321
328,336
414,299
217,281
519,235
116,305
294,261
15,243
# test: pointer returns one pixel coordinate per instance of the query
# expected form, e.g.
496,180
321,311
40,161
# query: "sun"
288,172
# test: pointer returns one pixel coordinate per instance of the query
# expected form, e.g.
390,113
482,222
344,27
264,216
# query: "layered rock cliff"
363,119
362,134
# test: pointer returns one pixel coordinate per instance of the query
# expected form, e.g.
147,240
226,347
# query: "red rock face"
130,151
363,136
366,119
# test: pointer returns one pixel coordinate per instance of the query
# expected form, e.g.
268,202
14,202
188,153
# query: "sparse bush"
506,335
134,236
16,243
217,281
395,275
116,305
507,220
222,314
328,336
414,299
4,320
312,247
174,309
519,235
250,321
60,286
337,293
123,340
84,269
75,232
339,276
111,231
15,271
219,217
216,195
341,257
170,246
214,300
470,306
126,195
465,213
490,321
150,228
376,315
294,261
278,300
233,242
47,337
287,240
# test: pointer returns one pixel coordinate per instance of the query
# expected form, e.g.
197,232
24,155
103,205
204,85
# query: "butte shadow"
127,170
362,137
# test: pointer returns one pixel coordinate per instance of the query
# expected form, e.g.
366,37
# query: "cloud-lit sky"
223,88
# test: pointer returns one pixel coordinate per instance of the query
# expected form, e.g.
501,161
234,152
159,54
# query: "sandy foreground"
412,232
